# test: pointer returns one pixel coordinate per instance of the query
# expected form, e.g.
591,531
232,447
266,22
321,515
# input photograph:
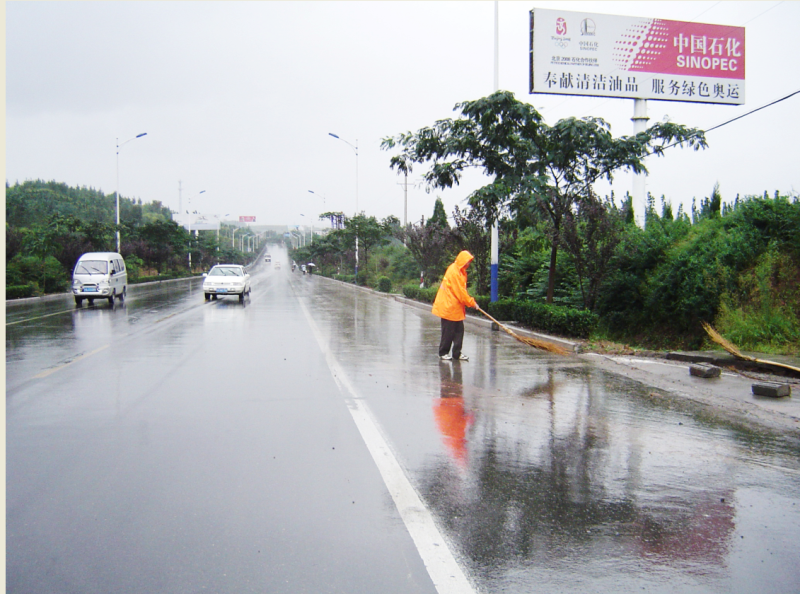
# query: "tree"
591,235
429,242
711,208
208,248
54,224
158,243
42,242
370,232
531,163
439,216
666,209
14,241
428,246
336,218
470,234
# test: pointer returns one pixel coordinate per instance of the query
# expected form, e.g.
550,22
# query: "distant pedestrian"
450,303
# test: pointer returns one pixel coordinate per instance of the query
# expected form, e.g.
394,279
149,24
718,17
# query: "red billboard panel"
247,219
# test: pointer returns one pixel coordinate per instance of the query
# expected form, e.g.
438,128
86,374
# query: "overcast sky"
238,99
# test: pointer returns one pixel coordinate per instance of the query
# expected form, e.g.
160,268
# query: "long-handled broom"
728,346
534,342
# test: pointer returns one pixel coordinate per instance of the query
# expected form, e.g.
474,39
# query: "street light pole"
355,149
117,192
190,232
323,197
312,219
494,247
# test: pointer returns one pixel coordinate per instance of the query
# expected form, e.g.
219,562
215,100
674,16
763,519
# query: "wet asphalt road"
172,445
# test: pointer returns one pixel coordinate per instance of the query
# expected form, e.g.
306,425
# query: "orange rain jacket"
452,296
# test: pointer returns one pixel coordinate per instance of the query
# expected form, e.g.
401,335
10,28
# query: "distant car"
277,265
267,258
226,279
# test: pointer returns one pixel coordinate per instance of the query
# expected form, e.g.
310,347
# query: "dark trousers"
452,335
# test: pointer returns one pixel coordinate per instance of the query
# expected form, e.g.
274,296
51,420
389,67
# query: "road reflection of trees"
520,498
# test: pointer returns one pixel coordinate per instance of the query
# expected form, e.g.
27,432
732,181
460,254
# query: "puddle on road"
574,480
42,334
550,475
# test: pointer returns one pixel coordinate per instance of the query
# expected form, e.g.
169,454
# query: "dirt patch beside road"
728,397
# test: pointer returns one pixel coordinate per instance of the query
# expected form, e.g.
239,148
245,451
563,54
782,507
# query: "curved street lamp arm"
355,148
127,141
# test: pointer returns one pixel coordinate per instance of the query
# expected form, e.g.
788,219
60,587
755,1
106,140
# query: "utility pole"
404,183
495,241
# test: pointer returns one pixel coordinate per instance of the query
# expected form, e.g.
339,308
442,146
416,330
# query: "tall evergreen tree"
439,216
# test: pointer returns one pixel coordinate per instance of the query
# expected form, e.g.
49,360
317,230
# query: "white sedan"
226,279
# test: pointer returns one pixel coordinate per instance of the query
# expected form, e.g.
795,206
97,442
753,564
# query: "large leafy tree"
470,234
370,232
157,243
52,224
429,245
591,235
551,168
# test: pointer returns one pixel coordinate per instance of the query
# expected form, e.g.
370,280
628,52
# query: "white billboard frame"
198,222
599,55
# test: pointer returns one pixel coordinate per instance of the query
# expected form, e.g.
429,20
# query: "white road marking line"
58,313
444,570
47,372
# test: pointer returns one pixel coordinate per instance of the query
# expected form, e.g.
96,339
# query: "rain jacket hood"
453,298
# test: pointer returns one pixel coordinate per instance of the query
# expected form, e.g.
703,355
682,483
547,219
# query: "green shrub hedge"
411,291
557,319
503,309
159,277
385,284
20,291
426,295
483,301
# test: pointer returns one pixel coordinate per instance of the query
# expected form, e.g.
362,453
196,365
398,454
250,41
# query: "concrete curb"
470,319
68,294
725,359
54,296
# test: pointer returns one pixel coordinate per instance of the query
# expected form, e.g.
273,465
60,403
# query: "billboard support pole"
639,200
495,240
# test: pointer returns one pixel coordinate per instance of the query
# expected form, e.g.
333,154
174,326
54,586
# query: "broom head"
542,344
728,346
534,342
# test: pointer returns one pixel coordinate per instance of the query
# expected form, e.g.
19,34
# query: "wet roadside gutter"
728,397
725,360
131,290
474,319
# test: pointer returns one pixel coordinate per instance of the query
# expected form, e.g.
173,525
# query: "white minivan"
99,275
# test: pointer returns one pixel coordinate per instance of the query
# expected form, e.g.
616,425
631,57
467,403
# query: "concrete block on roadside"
704,370
772,389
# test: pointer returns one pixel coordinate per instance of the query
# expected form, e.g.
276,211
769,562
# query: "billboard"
577,53
247,219
197,222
